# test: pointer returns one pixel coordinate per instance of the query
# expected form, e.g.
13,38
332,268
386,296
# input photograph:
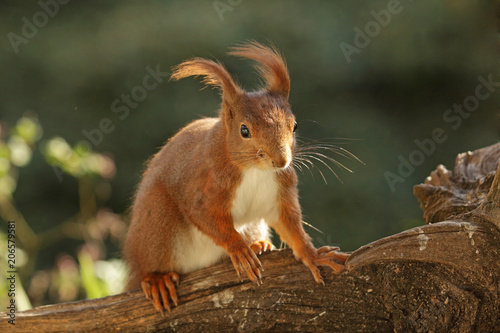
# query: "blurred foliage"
78,70
78,161
16,151
66,280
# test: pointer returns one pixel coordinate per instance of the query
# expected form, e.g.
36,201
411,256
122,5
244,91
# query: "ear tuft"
270,65
214,74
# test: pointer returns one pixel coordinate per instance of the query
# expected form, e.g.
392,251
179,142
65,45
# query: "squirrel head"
259,126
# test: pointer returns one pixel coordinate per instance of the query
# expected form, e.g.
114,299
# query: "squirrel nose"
282,160
281,163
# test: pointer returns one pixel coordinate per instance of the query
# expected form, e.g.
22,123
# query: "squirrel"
216,187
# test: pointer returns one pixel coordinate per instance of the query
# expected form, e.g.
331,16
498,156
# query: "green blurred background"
61,78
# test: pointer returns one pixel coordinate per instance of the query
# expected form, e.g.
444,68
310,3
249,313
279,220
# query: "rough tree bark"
440,277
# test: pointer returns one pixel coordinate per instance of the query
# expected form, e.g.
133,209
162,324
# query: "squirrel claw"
246,259
325,256
262,246
158,287
332,252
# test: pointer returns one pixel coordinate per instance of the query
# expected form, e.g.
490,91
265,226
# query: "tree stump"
440,277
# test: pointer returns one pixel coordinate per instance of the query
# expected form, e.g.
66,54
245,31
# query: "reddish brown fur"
270,65
192,181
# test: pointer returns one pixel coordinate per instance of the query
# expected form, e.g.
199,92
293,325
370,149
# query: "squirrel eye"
294,127
245,132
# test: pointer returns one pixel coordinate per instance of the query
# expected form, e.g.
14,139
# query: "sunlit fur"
210,192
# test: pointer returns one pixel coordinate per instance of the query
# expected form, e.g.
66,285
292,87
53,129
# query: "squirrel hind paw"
325,256
333,253
158,287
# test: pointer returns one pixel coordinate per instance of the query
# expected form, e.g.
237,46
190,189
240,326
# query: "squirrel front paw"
324,256
262,246
156,285
245,258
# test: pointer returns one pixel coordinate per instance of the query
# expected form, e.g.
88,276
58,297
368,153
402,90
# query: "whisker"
343,152
239,158
316,150
314,165
339,150
313,227
297,165
331,159
326,164
328,140
322,175
302,163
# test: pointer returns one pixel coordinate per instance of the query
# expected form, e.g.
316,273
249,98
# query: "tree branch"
440,277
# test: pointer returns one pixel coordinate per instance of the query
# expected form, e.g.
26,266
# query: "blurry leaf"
22,300
4,150
4,166
20,152
7,186
113,273
28,129
94,287
66,280
78,161
81,149
57,149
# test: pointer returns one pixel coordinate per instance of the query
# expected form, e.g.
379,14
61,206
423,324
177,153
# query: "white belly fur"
256,198
255,207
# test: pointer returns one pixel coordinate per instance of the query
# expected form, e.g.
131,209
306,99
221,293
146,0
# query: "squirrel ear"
214,74
270,65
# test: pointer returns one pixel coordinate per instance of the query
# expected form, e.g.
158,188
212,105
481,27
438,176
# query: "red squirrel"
217,186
